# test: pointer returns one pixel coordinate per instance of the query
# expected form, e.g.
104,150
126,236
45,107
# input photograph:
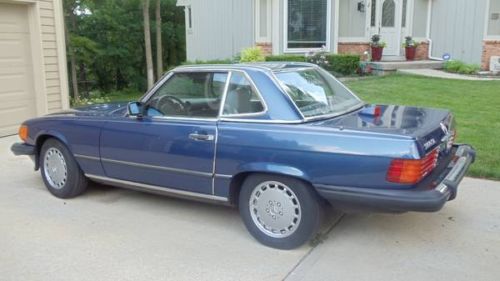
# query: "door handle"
201,137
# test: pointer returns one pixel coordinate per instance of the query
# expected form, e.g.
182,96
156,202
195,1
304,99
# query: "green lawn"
476,105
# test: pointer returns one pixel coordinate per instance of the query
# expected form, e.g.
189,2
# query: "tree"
147,44
159,53
70,17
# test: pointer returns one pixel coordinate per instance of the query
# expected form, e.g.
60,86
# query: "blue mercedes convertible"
278,140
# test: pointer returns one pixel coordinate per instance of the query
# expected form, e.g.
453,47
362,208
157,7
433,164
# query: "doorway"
386,20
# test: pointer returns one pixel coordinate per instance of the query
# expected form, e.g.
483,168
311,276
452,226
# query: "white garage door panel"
17,97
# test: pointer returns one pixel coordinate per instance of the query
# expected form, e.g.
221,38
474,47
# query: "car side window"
189,94
241,96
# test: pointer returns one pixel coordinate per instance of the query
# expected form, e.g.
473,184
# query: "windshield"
317,93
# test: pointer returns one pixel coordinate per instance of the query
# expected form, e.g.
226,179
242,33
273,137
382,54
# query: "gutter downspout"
428,31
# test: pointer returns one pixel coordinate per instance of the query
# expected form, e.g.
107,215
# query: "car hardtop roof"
268,66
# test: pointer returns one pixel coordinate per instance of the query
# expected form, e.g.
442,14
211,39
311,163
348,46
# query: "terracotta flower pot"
410,52
377,53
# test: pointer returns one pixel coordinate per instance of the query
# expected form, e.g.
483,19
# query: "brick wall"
422,51
358,48
490,48
267,48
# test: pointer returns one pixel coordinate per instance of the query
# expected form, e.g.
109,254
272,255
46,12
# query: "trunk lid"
431,128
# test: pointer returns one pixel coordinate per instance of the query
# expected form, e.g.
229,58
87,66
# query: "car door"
173,144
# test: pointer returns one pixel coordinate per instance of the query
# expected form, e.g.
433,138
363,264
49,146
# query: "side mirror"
135,109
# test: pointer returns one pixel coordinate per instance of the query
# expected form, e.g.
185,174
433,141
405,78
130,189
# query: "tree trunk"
159,51
147,43
72,59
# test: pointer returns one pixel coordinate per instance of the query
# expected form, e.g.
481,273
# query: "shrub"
343,64
220,61
292,58
456,66
253,54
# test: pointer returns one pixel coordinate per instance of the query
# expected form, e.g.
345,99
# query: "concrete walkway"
115,234
443,74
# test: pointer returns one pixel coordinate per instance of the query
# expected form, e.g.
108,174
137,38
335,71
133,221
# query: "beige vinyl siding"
33,75
50,55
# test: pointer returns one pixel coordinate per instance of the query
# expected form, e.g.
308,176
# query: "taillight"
23,132
411,171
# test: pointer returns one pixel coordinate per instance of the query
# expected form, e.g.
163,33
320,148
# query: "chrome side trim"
270,121
223,176
167,169
86,157
157,189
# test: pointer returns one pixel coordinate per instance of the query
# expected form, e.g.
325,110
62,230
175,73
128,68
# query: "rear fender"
273,168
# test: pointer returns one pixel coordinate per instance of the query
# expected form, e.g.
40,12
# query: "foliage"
225,61
104,97
294,58
252,54
107,39
318,58
343,64
375,41
456,66
474,104
409,42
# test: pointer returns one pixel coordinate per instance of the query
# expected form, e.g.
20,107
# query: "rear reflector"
411,171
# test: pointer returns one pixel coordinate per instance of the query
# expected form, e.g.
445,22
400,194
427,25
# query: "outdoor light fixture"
361,7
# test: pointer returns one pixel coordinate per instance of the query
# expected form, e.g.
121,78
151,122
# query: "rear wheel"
60,172
280,212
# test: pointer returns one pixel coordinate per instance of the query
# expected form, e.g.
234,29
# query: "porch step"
384,66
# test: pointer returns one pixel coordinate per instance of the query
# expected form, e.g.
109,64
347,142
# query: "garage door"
17,95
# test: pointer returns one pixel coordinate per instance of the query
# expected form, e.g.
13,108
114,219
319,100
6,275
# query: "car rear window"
316,92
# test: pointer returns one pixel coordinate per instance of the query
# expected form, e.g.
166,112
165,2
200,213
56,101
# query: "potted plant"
410,48
377,47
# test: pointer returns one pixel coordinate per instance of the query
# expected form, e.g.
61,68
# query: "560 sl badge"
429,143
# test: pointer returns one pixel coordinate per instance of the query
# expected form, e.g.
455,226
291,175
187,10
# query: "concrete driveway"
116,234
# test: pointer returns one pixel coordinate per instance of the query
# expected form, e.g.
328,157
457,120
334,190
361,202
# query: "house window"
307,24
373,20
388,13
189,18
403,19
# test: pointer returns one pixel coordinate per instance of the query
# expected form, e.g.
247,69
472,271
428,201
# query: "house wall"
457,28
34,52
493,28
220,29
420,19
351,21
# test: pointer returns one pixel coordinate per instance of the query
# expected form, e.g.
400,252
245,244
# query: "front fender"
38,139
274,168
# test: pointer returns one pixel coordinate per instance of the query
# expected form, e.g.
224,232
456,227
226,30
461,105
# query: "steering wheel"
171,105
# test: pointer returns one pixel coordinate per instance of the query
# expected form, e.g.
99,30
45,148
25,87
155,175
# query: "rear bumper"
23,149
428,196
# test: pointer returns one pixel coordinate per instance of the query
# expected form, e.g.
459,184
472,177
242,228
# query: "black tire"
308,204
75,182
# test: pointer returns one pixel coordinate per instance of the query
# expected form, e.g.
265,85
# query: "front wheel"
60,172
278,211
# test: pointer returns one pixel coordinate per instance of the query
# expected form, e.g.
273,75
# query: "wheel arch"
263,168
40,140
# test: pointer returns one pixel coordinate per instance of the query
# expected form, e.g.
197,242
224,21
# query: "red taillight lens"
411,171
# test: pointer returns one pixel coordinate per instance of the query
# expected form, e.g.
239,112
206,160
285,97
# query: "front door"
173,145
388,18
